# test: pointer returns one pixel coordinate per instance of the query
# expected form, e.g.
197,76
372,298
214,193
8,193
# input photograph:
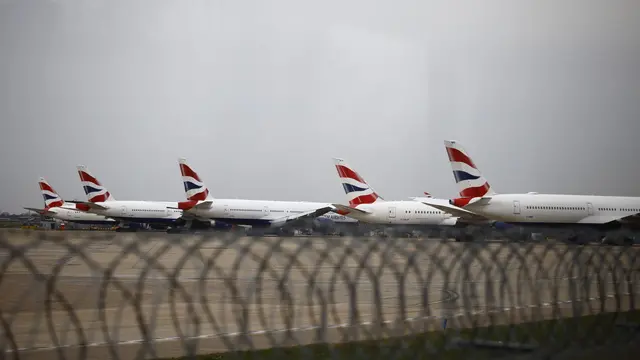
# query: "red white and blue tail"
471,183
357,190
51,197
95,191
194,187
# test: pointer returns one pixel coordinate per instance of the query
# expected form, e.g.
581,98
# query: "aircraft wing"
307,214
633,219
453,210
88,204
349,209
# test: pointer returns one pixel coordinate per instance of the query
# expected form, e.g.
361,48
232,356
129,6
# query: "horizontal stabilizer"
204,205
188,216
307,214
349,209
480,201
90,205
453,210
39,211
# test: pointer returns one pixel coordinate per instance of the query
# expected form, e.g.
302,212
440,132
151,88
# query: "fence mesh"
82,295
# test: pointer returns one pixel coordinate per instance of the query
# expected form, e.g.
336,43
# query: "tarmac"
90,295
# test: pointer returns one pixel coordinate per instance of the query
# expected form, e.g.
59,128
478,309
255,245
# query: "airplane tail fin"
51,197
194,188
471,182
92,187
357,190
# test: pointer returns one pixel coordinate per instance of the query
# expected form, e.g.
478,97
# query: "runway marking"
309,328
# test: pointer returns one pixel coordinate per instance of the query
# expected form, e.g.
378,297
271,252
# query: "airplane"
127,213
573,217
56,208
248,213
367,206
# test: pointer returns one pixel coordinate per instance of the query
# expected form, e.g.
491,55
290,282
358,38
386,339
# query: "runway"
164,292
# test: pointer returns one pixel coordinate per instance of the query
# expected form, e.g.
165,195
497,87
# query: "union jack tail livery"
471,183
51,197
194,188
357,190
95,191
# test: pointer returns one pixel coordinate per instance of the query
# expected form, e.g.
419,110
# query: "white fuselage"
139,211
402,213
556,209
257,212
68,212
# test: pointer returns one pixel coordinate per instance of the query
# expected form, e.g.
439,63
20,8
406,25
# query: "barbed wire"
81,295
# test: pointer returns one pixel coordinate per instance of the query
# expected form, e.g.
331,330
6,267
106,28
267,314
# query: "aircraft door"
590,208
516,207
123,211
392,213
226,210
266,211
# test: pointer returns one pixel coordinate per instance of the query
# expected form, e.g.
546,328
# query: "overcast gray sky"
259,95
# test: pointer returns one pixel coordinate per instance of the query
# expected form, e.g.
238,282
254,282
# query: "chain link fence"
83,295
